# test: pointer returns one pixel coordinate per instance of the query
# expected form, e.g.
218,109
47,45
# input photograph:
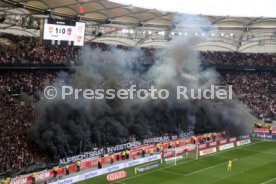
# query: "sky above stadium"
237,8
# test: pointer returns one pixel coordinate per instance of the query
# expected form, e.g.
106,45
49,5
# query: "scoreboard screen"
64,31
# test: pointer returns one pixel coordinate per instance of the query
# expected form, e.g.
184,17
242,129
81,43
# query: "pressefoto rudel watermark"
182,92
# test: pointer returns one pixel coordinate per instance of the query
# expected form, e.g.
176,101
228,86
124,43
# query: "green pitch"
254,163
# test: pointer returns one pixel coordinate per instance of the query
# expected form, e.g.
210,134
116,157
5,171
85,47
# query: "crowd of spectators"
15,151
238,58
25,49
255,89
28,82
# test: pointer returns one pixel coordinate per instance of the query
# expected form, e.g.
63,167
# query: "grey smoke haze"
66,127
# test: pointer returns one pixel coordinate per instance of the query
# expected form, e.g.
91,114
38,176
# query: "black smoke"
67,127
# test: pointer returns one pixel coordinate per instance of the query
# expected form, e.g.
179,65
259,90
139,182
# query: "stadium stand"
17,115
28,50
240,59
42,43
16,152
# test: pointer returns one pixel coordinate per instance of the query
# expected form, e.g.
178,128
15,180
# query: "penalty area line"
268,181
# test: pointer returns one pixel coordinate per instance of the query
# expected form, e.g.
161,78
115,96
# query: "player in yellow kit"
229,168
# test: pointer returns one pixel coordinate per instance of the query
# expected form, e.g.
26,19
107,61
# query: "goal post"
173,155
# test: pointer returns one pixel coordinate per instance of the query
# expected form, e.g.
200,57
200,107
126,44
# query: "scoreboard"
63,31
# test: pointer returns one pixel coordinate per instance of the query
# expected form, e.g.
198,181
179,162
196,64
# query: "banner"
226,146
243,142
185,135
173,158
116,176
41,176
145,168
261,130
207,151
109,169
233,139
117,148
213,143
223,141
19,181
167,154
157,139
264,136
244,137
81,157
122,147
201,146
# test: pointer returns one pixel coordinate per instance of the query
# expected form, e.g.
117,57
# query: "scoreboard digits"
64,31
60,30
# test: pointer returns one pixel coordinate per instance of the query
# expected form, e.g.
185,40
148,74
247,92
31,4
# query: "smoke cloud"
67,127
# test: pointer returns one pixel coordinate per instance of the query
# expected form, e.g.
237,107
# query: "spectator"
99,163
67,171
111,156
55,169
78,163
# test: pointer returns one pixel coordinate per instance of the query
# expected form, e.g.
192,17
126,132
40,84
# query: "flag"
81,8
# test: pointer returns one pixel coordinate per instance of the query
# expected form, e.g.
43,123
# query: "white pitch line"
207,168
269,181
135,176
138,175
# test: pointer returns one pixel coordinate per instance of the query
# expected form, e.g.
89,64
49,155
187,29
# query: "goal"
178,154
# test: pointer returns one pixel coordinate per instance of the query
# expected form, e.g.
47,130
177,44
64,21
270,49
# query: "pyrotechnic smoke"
66,127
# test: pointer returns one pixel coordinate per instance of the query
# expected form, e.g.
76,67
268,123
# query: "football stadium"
137,92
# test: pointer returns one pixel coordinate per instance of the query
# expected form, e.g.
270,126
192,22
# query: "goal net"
178,154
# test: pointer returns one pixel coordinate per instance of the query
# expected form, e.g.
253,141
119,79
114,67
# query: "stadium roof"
103,11
234,8
110,17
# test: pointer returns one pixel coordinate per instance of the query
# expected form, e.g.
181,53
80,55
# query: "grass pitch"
252,164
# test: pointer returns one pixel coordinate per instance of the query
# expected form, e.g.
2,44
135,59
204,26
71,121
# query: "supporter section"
255,88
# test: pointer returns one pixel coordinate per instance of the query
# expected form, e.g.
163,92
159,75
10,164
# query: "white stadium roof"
234,8
122,23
